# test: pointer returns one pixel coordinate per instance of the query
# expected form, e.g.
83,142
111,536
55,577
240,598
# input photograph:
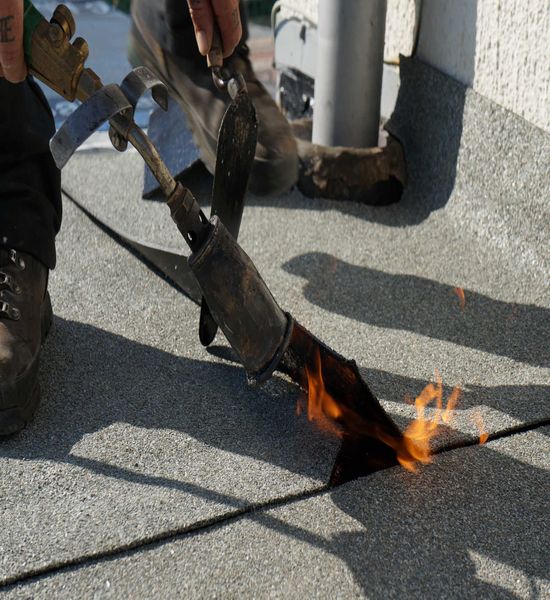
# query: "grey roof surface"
381,294
140,430
455,530
143,435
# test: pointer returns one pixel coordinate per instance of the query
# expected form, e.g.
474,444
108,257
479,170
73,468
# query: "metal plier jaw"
52,57
234,84
60,64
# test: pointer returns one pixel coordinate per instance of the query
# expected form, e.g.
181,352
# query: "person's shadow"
93,379
475,526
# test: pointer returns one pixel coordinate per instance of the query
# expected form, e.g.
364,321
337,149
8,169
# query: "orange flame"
413,447
321,406
451,404
419,434
478,420
462,298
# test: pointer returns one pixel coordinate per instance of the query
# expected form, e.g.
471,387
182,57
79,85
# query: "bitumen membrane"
456,530
140,430
152,470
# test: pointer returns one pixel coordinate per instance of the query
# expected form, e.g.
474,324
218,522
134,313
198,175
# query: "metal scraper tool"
237,140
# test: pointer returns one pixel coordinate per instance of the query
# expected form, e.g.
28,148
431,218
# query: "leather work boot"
184,72
25,319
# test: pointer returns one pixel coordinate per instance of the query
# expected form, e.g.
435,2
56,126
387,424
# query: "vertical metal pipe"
348,82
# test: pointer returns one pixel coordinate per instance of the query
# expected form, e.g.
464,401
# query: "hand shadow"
426,307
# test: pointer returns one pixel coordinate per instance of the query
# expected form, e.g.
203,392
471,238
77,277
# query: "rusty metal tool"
264,337
60,64
237,140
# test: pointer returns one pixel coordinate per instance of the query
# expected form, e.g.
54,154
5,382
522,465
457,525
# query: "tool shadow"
420,305
93,379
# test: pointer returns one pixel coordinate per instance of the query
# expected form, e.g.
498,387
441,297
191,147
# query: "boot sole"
15,418
268,177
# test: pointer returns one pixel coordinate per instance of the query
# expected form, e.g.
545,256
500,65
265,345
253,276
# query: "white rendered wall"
400,20
501,48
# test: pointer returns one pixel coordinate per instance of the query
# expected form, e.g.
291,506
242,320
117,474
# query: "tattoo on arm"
5,29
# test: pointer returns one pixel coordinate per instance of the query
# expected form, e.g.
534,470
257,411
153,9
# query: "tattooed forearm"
5,29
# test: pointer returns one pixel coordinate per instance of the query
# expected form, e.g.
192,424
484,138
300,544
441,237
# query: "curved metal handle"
134,85
100,107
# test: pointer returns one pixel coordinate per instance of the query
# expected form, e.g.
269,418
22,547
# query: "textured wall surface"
400,21
400,28
498,47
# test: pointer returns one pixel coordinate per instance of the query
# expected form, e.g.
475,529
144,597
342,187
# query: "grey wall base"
489,167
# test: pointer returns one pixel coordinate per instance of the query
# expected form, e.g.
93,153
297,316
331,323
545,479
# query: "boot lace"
10,261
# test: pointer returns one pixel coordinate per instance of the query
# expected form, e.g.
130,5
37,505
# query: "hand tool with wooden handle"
237,140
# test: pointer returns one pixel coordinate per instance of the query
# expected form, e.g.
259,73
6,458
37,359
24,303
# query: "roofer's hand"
12,61
226,13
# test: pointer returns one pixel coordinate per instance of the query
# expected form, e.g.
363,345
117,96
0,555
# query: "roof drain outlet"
348,82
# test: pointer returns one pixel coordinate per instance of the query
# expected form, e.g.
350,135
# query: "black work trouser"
30,184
